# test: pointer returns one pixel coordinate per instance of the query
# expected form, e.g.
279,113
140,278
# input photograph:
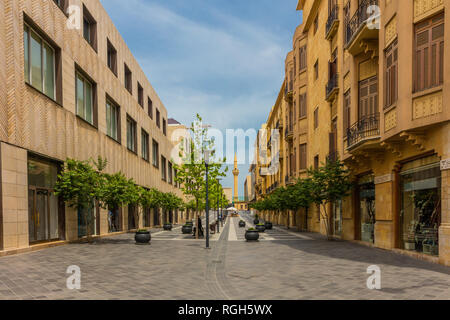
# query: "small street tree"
328,184
79,185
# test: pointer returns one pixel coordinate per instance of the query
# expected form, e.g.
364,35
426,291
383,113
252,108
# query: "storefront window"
420,215
367,208
114,220
42,174
87,219
337,218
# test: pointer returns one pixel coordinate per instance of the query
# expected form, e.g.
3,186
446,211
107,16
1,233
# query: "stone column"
14,193
385,231
444,229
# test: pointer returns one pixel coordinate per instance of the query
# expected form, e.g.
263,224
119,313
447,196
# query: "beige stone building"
70,88
351,96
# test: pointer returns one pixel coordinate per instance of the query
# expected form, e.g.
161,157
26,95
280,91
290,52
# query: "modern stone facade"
48,127
376,88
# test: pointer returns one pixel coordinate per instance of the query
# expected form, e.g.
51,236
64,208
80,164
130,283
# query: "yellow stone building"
69,91
350,96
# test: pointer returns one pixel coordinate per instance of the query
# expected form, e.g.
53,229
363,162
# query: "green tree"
79,185
328,184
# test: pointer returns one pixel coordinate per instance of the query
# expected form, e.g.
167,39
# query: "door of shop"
367,219
42,215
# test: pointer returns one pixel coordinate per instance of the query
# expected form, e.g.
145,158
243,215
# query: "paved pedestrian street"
282,265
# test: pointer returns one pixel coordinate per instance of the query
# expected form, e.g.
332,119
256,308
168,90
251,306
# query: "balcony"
332,23
289,133
367,128
362,28
332,87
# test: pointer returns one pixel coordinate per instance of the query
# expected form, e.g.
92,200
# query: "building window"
112,120
316,24
316,70
131,135
302,106
150,107
85,90
40,58
302,154
155,153
170,180
128,79
140,95
391,74
316,118
429,53
302,58
62,4
164,127
347,111
163,169
145,143
89,28
368,97
316,162
158,118
112,58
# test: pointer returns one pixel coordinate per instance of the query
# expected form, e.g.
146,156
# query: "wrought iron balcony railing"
333,17
367,127
332,85
359,19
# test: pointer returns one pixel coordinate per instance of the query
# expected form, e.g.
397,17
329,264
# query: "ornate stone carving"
390,32
422,8
428,105
390,120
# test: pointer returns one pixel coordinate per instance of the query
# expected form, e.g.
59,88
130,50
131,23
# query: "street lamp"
207,200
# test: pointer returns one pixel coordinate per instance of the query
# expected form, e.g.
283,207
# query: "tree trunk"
196,221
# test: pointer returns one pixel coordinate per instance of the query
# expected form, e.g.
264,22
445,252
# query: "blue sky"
221,58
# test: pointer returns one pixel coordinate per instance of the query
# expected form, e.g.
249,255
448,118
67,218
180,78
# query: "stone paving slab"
290,266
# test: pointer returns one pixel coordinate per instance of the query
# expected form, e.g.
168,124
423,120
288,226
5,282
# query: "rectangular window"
347,111
164,127
302,58
131,135
169,169
145,143
302,154
368,97
39,58
150,107
155,153
391,74
302,106
140,95
89,28
429,53
112,120
163,169
316,162
62,4
316,118
128,79
158,118
85,97
112,57
316,24
316,70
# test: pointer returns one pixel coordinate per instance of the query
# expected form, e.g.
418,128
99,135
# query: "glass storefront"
114,224
366,187
420,215
131,219
337,218
87,218
43,208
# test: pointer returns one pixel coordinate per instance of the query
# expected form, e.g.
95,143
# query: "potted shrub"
256,220
261,227
268,225
242,224
252,235
167,226
142,236
187,228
